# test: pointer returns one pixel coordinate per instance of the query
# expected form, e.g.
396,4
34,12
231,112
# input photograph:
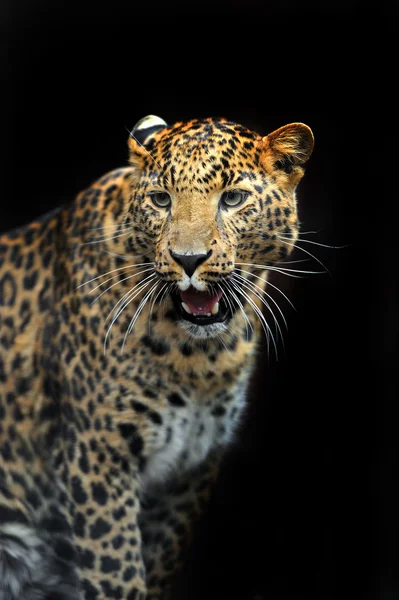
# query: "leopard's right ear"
141,136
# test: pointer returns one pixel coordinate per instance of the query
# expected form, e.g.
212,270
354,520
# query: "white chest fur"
189,433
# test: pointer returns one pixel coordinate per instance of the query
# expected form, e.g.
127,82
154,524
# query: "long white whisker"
136,291
117,283
285,272
152,306
138,312
265,326
113,271
247,321
167,290
226,297
121,280
107,233
290,262
121,300
108,227
265,303
279,268
141,306
309,253
268,283
313,242
250,284
258,313
107,239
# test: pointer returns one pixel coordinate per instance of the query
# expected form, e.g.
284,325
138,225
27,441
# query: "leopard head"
209,201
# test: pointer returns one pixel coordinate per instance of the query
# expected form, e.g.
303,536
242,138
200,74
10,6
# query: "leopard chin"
203,332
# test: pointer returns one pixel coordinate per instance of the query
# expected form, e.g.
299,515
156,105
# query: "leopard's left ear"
287,149
141,136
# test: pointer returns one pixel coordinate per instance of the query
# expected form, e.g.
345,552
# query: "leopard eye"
160,199
233,198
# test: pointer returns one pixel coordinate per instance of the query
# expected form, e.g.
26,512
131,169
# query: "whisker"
120,301
135,292
113,271
114,237
218,285
119,225
241,308
251,284
247,321
279,268
165,293
289,262
309,253
107,233
117,283
152,307
139,309
121,280
267,305
169,287
285,272
136,288
268,268
313,242
268,283
265,326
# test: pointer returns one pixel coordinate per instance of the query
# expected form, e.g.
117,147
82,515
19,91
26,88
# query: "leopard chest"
190,432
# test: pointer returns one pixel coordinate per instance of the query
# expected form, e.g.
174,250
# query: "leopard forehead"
199,143
208,130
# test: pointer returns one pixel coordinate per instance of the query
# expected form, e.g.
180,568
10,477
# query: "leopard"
130,322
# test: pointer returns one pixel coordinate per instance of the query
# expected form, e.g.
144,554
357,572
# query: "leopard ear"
141,136
287,149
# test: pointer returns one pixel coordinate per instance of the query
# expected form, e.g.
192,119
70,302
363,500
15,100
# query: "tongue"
200,303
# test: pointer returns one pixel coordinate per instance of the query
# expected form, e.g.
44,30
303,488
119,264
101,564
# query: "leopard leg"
103,485
168,514
37,558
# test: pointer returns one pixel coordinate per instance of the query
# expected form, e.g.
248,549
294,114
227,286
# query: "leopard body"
119,387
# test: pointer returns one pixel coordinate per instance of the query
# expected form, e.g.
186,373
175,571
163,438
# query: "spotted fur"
111,434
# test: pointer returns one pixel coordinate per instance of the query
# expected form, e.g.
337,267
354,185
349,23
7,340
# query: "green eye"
160,199
233,198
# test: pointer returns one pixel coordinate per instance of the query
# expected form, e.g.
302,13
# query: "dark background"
307,502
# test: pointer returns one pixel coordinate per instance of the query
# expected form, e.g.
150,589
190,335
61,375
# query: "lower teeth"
214,311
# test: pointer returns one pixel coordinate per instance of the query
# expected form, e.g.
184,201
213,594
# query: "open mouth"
202,308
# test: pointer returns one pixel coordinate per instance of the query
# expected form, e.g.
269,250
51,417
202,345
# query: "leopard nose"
190,262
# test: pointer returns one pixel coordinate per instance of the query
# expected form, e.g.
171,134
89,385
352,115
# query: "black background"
307,502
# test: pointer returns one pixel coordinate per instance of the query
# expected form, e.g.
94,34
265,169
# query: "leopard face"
211,200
